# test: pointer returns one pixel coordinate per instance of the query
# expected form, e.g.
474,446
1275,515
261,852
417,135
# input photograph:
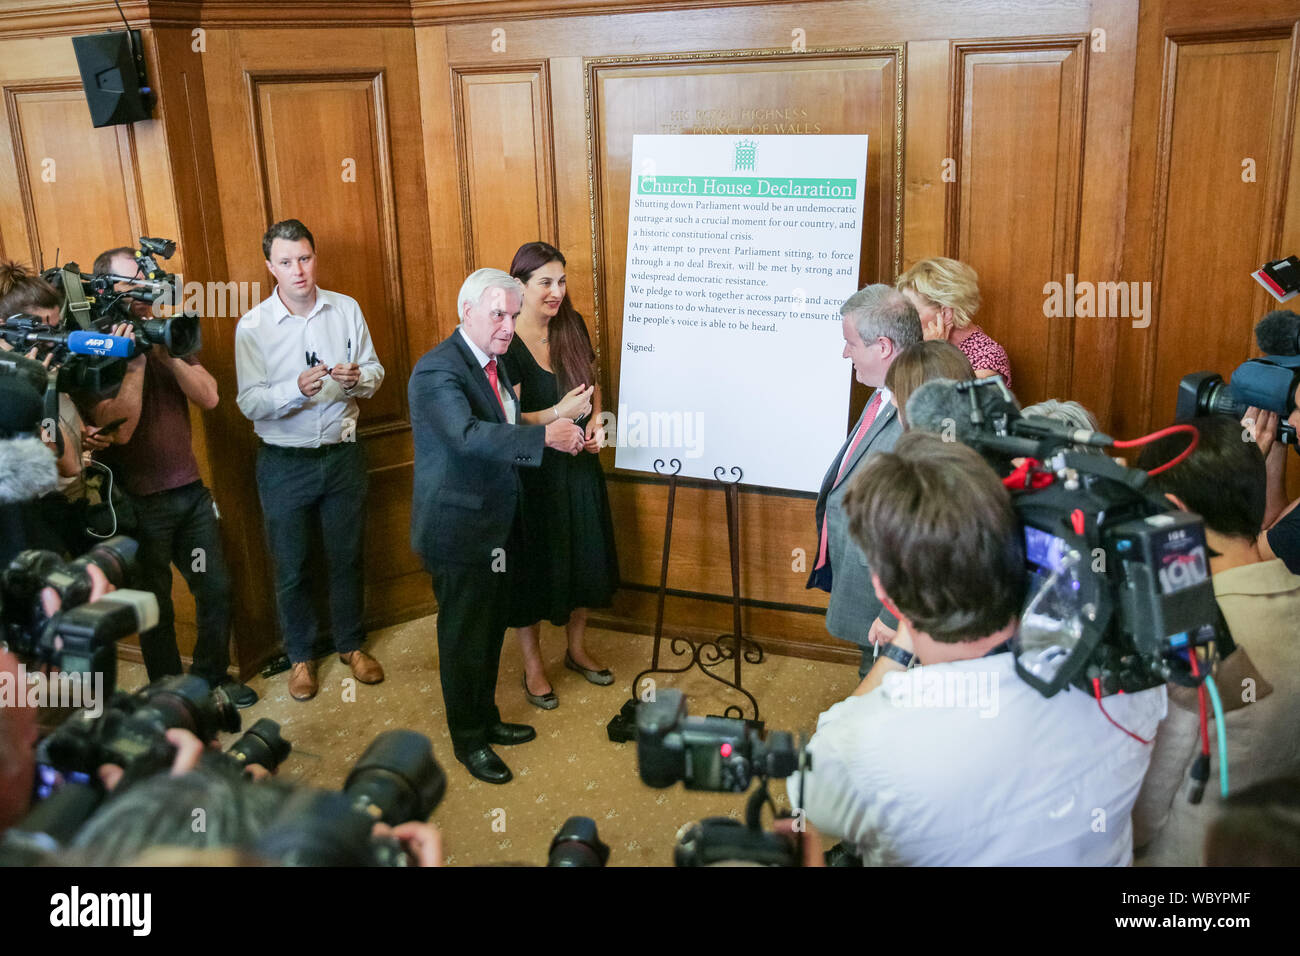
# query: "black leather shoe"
507,734
485,765
241,695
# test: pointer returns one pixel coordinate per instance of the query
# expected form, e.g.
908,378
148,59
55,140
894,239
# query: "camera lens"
115,557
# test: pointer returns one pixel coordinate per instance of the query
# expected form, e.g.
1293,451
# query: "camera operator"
957,761
1281,535
176,517
21,291
1223,481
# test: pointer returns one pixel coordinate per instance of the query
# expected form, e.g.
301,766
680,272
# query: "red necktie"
492,378
873,409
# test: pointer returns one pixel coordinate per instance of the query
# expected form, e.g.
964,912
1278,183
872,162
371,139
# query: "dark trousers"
179,527
297,490
473,604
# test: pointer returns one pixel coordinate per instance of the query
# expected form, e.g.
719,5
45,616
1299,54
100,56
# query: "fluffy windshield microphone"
1278,333
27,470
937,406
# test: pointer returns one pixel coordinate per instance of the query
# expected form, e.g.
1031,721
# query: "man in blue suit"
879,322
464,517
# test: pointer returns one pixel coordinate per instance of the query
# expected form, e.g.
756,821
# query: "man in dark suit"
879,322
464,517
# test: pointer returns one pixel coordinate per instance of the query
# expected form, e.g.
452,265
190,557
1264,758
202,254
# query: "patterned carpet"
571,769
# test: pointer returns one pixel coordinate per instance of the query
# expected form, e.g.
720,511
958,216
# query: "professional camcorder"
1118,581
720,754
83,361
1270,383
92,303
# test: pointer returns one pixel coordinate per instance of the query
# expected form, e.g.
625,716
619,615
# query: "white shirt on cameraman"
271,348
914,773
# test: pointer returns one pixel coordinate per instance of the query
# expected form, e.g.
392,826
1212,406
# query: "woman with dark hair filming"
569,563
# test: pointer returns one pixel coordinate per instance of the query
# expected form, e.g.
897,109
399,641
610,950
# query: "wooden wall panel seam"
1288,140
131,181
545,142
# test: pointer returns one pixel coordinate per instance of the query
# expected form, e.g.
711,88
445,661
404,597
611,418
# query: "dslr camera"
79,637
720,754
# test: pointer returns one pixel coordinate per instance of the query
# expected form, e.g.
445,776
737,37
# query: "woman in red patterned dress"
946,294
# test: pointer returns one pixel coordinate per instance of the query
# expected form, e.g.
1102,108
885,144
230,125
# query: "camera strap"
51,415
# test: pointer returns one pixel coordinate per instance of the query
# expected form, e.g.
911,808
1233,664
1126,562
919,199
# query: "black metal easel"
733,646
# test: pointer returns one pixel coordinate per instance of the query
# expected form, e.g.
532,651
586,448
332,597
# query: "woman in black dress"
569,563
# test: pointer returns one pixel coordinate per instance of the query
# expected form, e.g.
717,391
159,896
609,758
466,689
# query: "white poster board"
740,252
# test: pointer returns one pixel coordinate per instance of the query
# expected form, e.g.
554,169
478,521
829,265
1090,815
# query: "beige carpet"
571,769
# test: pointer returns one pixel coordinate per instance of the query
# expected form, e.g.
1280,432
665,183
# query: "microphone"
100,343
1278,333
27,470
1042,427
944,406
938,407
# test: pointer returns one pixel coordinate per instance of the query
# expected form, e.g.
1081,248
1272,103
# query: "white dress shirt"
506,395
271,347
964,764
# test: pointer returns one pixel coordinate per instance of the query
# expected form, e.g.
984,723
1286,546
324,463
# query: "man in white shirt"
303,358
956,761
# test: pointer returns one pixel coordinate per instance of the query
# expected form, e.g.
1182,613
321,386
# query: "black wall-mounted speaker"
112,78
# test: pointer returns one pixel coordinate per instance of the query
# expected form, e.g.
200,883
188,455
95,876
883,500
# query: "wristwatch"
897,654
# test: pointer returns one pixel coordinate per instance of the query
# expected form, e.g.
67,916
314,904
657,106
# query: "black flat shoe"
508,734
545,701
485,765
603,677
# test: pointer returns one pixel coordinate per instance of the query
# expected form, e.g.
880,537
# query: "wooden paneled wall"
1102,140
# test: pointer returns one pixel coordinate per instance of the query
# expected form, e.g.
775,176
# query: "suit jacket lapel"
883,418
478,376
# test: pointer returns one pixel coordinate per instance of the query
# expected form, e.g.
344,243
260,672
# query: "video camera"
719,754
1270,383
1118,584
93,303
84,361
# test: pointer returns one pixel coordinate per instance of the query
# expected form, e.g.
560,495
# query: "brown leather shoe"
302,680
364,667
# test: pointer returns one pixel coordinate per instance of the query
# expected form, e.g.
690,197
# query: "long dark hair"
572,358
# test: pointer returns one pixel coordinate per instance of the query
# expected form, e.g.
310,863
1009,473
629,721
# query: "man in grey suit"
879,322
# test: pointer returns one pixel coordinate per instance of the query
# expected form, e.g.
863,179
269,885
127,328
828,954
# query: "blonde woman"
946,294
